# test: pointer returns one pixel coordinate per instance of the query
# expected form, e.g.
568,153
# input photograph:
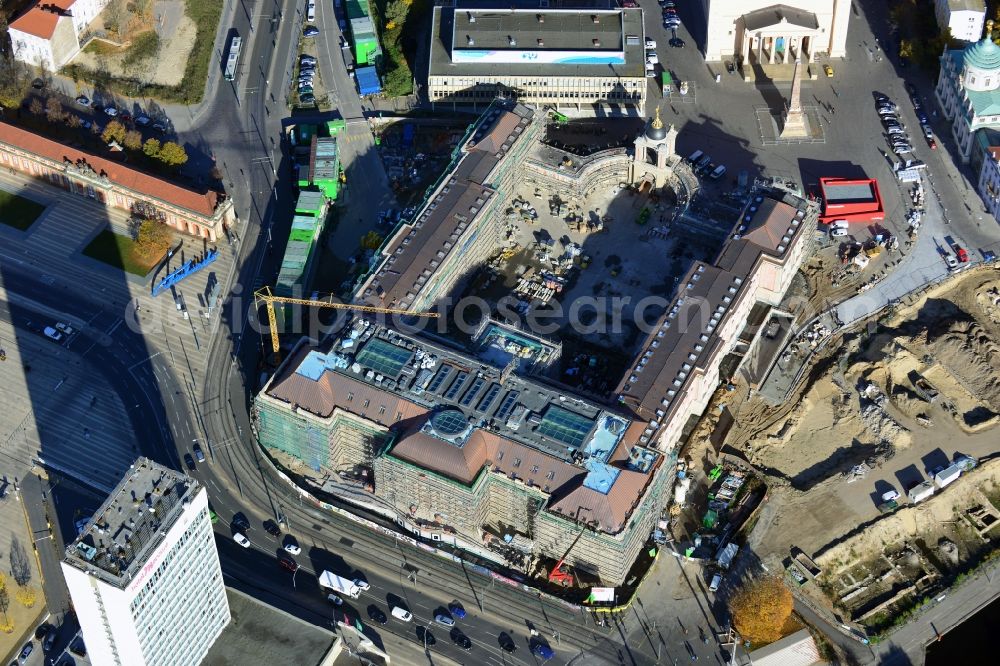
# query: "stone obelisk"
795,124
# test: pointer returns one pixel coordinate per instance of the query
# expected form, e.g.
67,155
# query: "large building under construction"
460,451
458,442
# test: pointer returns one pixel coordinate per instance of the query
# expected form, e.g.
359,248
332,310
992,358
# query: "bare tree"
20,565
54,110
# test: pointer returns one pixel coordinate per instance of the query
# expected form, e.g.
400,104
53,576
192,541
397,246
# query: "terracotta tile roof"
462,463
610,509
40,22
202,203
770,224
333,390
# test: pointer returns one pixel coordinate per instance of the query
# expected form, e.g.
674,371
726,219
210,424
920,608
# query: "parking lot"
723,123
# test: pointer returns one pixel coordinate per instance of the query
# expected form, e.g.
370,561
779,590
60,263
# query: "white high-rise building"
144,574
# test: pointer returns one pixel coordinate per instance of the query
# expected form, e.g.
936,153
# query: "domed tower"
654,149
981,64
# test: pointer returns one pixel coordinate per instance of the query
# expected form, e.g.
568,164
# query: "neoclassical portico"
778,35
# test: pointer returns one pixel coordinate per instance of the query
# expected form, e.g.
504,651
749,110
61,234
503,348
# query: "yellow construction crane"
264,295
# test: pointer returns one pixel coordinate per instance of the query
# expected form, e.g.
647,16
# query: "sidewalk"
35,497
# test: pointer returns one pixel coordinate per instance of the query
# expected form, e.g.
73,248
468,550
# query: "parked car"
83,100
272,528
650,43
305,90
288,564
159,127
26,651
50,640
198,453
951,261
931,143
828,70
311,12
960,252
334,599
375,614
78,647
42,630
189,461
838,232
456,609
310,31
52,334
110,111
304,59
241,539
716,582
292,548
401,614
65,328
142,120
652,58
307,99
730,67
677,43
444,619
890,495
240,521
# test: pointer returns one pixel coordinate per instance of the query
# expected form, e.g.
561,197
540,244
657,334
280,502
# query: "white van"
695,156
401,614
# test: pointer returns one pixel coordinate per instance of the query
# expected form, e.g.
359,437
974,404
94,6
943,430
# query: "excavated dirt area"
881,410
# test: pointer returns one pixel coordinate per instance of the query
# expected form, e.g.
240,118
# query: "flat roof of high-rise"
537,42
131,523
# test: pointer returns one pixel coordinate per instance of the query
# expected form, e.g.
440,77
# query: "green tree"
172,154
395,13
151,147
133,140
760,609
371,241
115,131
153,239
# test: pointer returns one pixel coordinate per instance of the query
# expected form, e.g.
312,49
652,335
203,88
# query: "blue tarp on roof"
368,83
